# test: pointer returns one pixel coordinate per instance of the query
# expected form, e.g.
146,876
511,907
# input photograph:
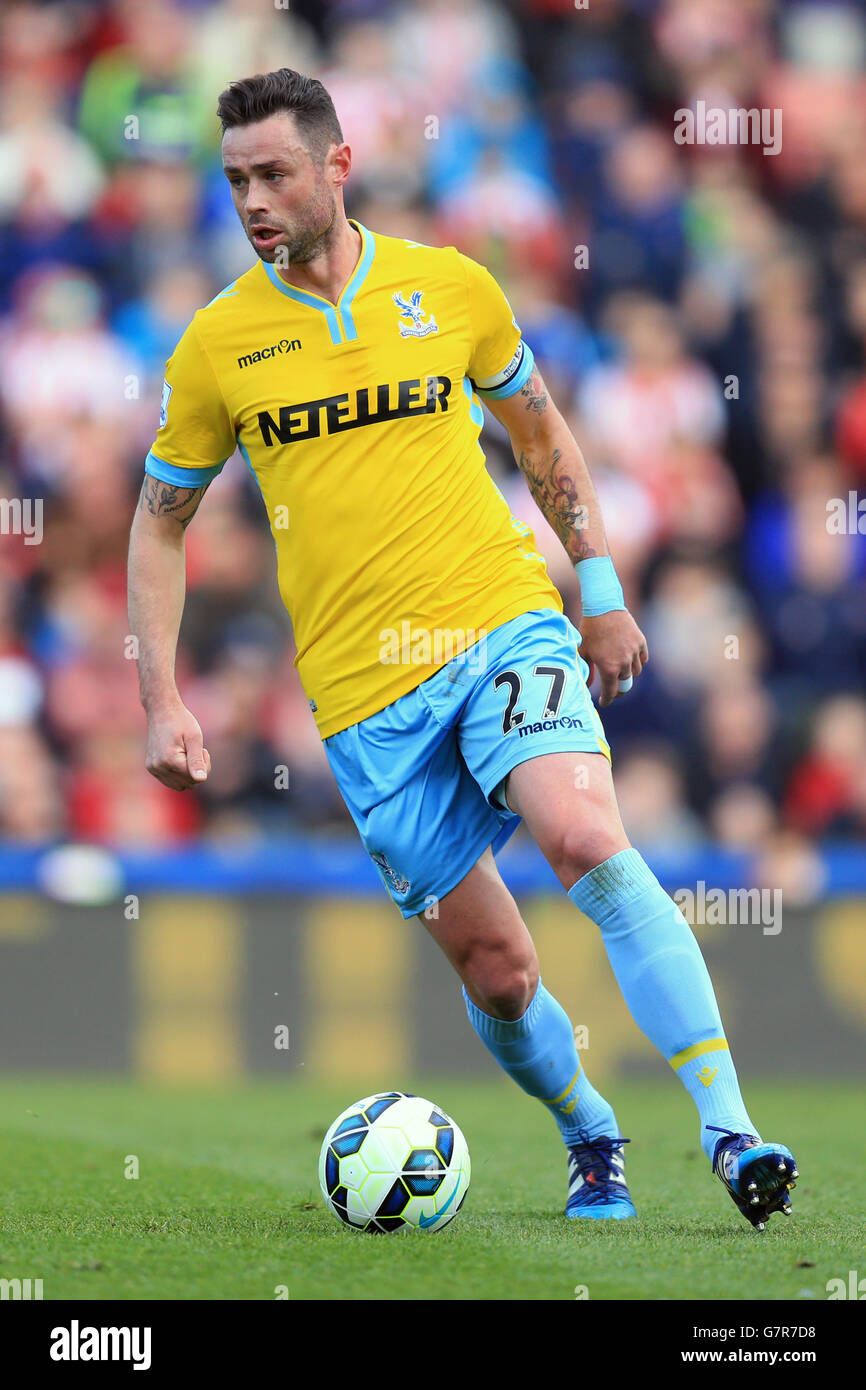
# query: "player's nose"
256,199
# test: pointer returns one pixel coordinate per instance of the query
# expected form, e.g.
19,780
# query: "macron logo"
275,349
77,1343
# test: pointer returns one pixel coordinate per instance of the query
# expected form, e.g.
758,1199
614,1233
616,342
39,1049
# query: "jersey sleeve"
500,361
195,435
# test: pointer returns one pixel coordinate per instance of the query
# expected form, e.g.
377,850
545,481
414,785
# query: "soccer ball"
394,1160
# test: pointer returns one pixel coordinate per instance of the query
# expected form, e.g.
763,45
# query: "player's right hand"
176,755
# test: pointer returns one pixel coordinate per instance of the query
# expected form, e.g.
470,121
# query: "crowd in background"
708,348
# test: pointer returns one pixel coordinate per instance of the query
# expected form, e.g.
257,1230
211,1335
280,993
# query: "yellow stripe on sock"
698,1050
563,1094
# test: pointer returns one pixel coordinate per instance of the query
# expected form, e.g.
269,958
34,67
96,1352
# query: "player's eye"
273,175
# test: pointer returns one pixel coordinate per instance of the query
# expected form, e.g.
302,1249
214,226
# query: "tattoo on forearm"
555,493
165,499
534,393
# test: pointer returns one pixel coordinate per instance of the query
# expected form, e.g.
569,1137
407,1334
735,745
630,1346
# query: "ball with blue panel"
394,1160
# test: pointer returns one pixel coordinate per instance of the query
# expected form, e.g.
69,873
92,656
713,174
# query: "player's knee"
508,997
577,849
503,984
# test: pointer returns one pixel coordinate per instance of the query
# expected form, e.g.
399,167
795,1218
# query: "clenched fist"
617,646
176,755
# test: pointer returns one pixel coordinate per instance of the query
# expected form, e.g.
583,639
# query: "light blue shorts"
420,777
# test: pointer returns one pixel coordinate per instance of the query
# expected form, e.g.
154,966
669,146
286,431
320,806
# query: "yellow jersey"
361,422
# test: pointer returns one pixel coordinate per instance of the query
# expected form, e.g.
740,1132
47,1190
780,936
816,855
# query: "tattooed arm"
167,500
550,460
156,593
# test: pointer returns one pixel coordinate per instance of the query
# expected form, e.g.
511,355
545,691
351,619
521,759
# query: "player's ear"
339,161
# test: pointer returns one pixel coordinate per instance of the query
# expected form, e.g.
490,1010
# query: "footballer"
348,368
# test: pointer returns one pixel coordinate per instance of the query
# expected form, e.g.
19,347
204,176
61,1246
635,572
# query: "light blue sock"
665,983
538,1051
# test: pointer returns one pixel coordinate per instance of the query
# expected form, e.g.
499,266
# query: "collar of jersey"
338,316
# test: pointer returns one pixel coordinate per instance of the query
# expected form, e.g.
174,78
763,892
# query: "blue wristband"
600,590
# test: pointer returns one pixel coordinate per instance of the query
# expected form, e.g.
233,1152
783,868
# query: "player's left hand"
615,643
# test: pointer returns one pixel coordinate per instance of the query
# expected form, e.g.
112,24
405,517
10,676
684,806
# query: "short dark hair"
268,93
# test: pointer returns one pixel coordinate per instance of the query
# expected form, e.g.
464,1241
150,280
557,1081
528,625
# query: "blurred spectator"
47,172
650,793
658,415
31,800
507,218
637,227
444,42
61,367
743,818
825,793
494,126
811,581
137,96
736,747
151,324
372,95
237,38
701,630
564,345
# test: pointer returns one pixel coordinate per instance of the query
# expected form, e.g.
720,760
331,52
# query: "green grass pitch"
227,1204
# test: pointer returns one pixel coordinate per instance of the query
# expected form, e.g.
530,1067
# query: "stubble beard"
310,237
